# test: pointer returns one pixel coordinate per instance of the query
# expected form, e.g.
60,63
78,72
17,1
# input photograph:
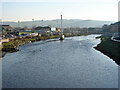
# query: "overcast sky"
26,10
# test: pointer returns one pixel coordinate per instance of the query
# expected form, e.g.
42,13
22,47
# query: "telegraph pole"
62,36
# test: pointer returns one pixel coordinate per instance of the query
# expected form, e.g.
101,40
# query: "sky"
26,10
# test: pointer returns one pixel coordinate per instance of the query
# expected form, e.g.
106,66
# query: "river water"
72,63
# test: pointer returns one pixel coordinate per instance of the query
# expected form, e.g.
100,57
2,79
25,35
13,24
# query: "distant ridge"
67,23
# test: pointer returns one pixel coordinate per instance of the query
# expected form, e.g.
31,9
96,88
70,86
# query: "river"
72,63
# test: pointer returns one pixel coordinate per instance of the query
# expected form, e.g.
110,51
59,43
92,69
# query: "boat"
62,37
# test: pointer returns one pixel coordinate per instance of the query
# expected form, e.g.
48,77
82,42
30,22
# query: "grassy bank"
109,48
12,45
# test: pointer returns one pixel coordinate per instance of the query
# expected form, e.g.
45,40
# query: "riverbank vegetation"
12,45
109,48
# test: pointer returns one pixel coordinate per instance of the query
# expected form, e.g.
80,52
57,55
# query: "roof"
4,25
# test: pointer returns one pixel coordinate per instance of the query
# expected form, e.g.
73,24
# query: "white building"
33,34
53,29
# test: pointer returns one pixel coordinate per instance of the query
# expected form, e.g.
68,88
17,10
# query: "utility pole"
33,26
33,23
61,26
62,36
42,22
18,24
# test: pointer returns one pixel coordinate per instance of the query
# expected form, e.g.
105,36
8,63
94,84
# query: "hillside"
66,23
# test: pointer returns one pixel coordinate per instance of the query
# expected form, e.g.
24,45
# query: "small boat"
62,37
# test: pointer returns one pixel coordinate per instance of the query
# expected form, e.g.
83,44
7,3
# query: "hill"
67,23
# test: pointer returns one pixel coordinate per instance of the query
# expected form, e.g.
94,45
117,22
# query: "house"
58,30
116,35
42,29
53,29
4,40
6,27
34,34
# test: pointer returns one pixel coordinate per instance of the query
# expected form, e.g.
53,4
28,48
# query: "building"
46,28
53,29
34,34
116,36
6,27
6,31
58,30
43,30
